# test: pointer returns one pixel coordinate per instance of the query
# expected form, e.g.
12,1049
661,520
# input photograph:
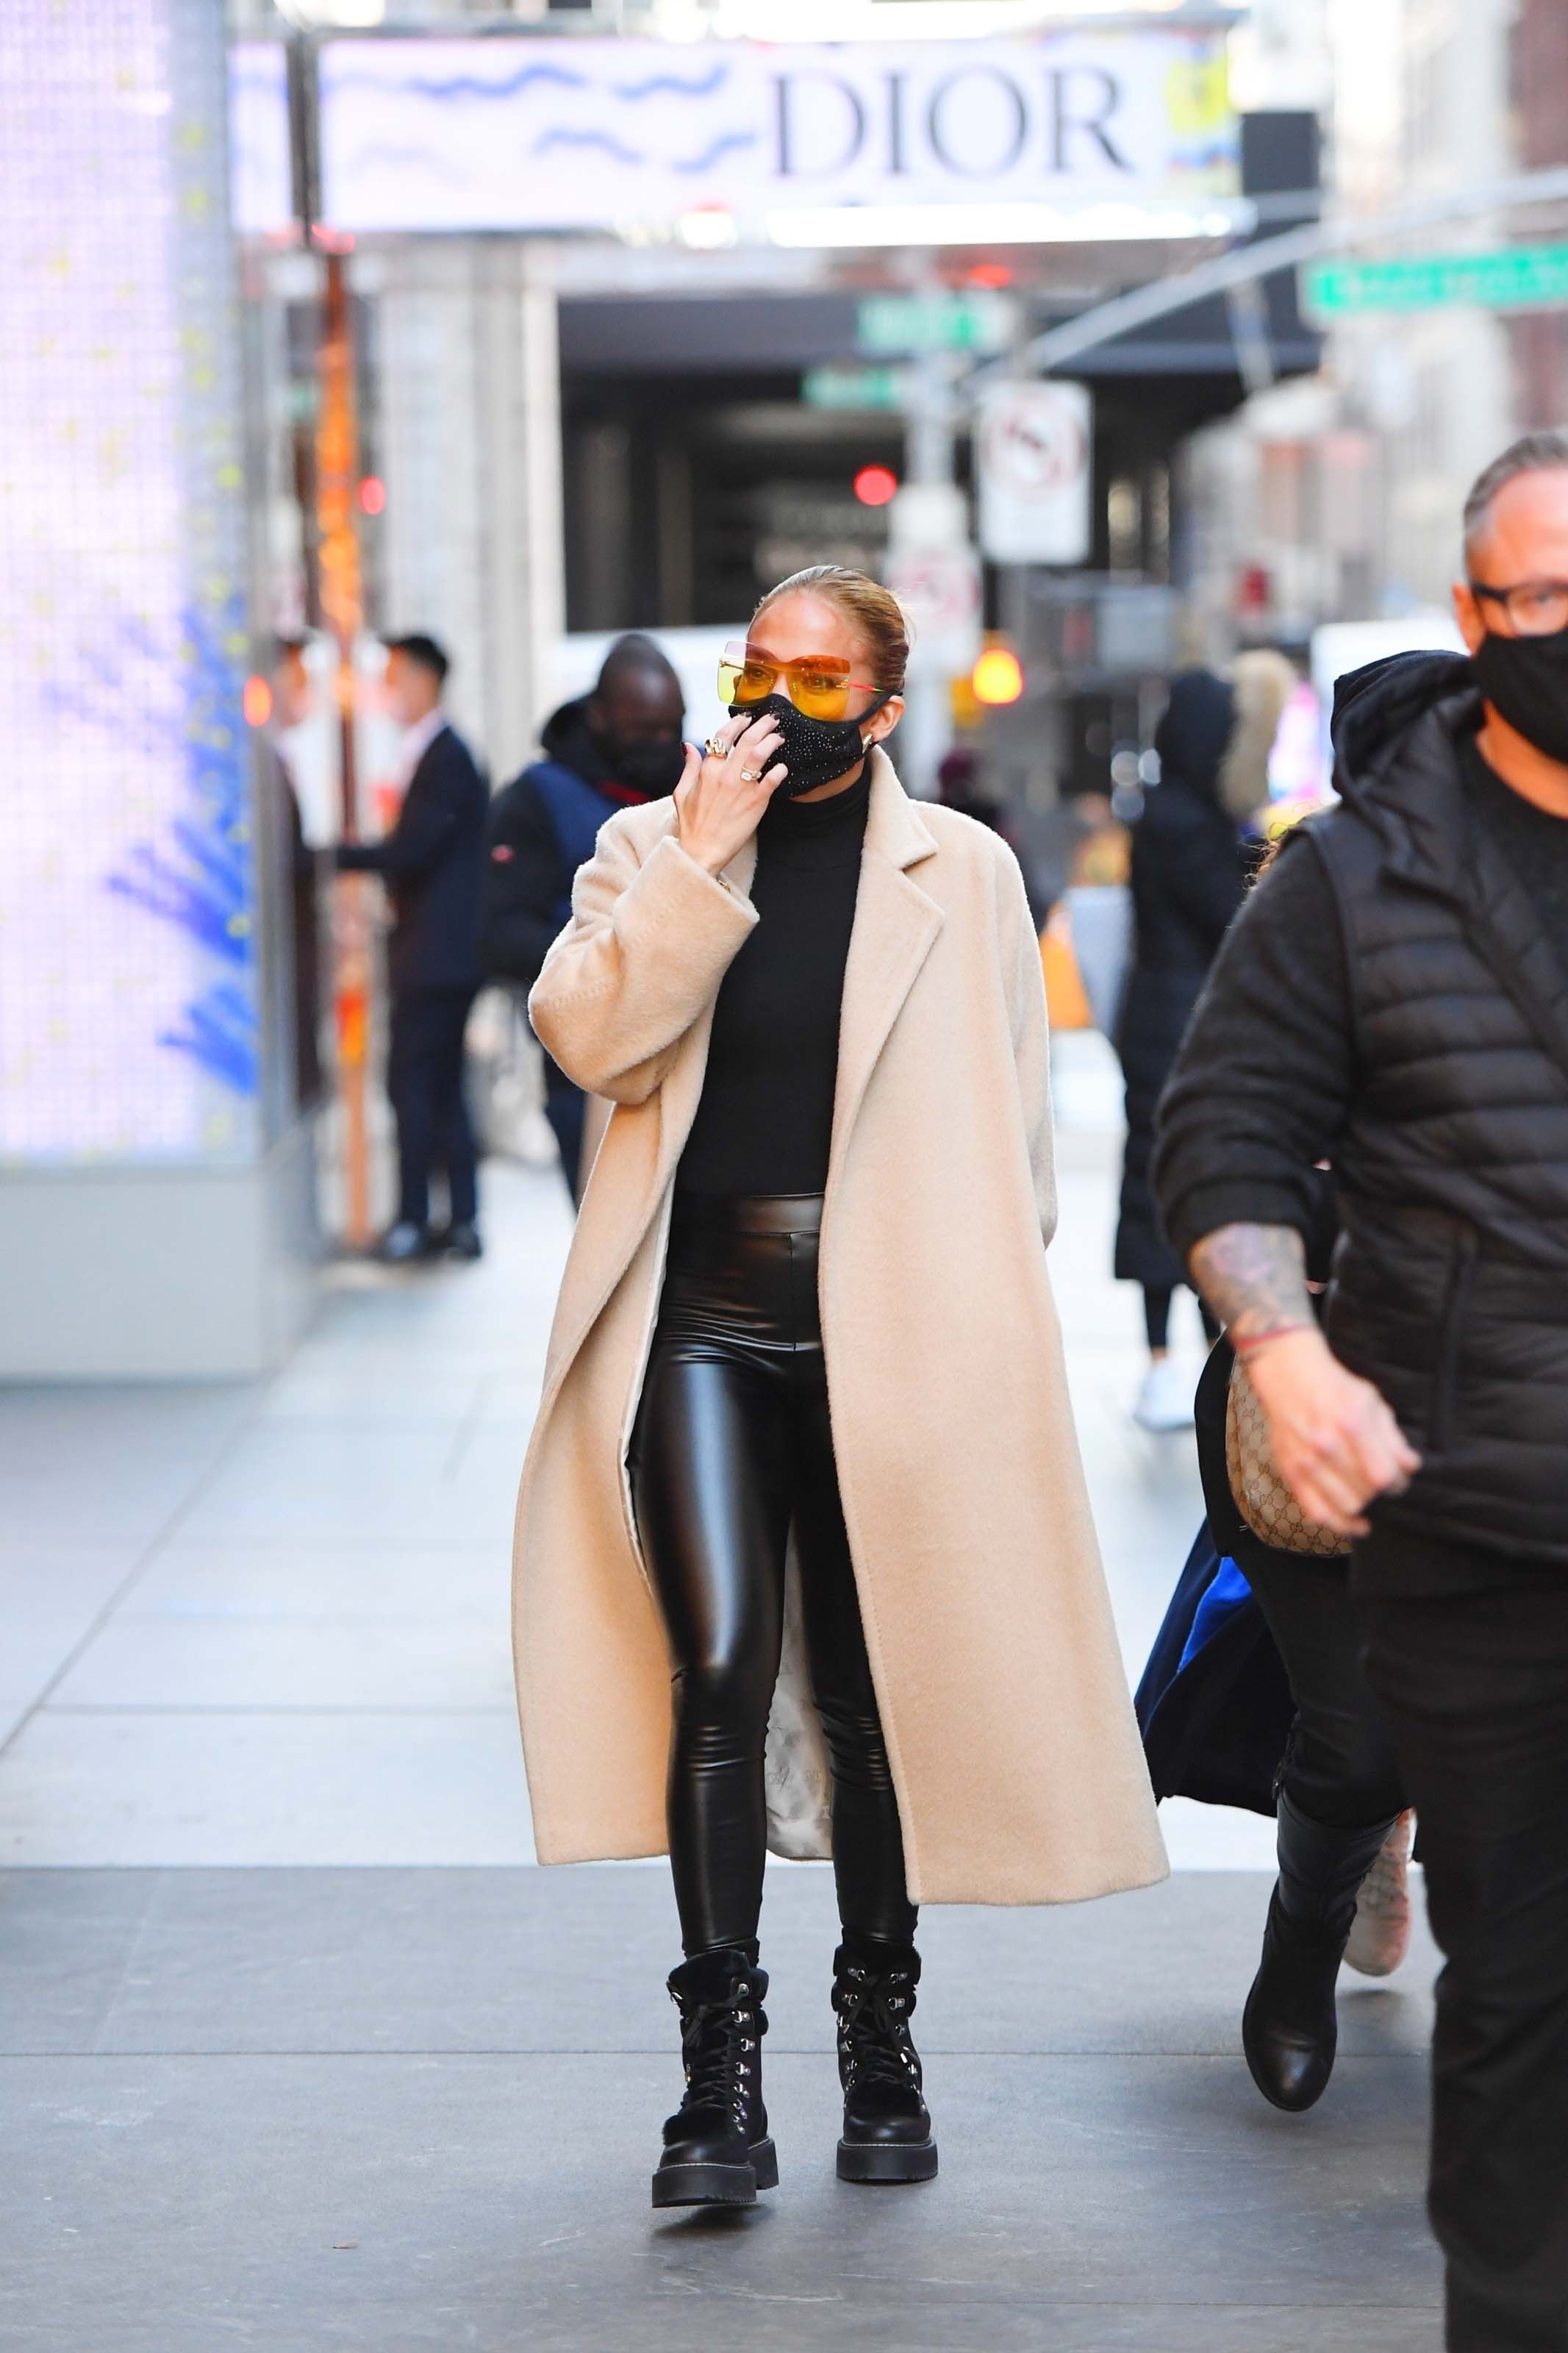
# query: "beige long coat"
1016,1762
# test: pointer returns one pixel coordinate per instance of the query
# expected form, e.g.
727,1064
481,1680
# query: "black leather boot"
716,2147
887,2128
1289,2028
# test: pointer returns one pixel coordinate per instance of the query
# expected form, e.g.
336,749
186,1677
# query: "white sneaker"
1380,1936
1165,1399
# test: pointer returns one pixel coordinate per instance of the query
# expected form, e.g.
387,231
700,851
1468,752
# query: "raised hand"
725,787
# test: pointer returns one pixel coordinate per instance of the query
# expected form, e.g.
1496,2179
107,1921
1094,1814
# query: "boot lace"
874,2042
719,2044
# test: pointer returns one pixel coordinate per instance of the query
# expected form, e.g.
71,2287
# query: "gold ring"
750,776
716,750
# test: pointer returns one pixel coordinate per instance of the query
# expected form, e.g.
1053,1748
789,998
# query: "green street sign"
844,386
1510,277
893,324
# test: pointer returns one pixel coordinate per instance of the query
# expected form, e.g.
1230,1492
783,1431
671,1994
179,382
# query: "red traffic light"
875,485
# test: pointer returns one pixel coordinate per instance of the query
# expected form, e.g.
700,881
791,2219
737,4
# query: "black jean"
731,1449
1157,1301
424,1083
1340,1766
1474,1683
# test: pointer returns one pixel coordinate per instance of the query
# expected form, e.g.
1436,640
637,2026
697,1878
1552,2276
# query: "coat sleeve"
640,961
1025,982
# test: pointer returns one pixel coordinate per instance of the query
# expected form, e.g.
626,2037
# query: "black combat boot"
887,2128
716,2147
1290,2028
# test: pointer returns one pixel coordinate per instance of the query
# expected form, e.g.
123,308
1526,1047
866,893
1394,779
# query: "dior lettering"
977,124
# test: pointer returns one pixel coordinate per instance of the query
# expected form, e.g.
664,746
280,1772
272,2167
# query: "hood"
567,737
1193,731
1376,707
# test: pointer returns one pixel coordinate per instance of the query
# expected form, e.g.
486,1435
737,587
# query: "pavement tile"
503,2201
140,1788
524,1960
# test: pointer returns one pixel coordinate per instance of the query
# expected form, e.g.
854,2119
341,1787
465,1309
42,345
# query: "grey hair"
1532,453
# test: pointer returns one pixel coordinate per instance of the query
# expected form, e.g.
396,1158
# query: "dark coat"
433,864
1188,876
1450,1283
542,827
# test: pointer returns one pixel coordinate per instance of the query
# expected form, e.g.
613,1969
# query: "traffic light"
997,676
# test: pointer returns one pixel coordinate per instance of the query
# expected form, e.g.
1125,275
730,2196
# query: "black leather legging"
733,1446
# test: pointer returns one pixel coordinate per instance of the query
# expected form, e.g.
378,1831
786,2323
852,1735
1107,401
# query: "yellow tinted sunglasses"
819,685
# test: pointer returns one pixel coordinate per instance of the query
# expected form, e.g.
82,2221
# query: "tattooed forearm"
1255,1280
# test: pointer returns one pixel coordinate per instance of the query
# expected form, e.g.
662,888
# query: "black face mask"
814,751
651,767
1526,679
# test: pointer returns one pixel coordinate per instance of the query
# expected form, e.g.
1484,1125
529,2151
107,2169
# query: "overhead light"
707,228
1002,224
334,16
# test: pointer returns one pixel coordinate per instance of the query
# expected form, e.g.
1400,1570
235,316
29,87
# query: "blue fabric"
576,812
1214,1705
1228,1591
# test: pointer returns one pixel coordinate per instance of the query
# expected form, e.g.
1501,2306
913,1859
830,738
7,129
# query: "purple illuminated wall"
128,1023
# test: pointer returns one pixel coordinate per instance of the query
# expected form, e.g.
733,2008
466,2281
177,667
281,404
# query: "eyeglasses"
819,685
1537,609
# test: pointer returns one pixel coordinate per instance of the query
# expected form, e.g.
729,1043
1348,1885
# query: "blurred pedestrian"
1334,1782
432,863
1396,995
300,869
612,749
1189,869
828,1184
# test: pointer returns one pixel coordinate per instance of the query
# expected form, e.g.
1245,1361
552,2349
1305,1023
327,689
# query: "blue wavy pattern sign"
582,132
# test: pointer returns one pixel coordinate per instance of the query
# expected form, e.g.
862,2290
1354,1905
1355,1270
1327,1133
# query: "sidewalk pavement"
301,2053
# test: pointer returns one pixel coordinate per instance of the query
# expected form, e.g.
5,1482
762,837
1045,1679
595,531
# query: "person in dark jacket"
1188,872
432,863
608,750
1396,998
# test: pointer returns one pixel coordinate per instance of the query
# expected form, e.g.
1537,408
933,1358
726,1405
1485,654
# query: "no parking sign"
1034,448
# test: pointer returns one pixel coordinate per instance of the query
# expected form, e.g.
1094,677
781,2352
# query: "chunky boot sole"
887,2161
717,2185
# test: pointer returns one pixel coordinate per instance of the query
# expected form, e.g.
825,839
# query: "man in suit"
606,750
432,863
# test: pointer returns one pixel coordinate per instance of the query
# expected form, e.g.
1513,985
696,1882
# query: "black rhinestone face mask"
814,751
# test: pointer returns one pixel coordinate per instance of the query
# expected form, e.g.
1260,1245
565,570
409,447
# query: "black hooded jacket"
1394,998
538,838
1187,875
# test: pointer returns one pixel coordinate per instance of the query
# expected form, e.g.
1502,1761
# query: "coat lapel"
895,924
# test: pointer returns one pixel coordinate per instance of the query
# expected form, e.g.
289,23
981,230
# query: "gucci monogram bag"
1262,1498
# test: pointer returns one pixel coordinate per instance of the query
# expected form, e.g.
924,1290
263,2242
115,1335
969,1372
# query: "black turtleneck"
765,1120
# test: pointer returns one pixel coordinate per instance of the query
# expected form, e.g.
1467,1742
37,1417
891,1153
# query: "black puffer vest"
1450,1283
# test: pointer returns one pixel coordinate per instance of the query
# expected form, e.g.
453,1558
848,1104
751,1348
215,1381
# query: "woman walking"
1188,876
805,1401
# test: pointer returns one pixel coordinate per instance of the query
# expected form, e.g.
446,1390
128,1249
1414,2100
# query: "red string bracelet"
1261,1339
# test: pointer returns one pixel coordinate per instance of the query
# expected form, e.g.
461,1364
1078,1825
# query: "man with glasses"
1393,998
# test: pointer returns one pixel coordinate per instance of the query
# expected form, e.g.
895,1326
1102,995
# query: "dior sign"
574,132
